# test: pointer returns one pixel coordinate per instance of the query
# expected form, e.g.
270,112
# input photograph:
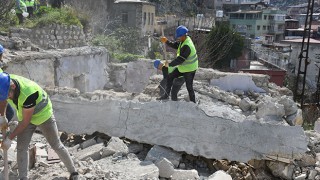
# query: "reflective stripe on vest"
43,109
29,3
191,63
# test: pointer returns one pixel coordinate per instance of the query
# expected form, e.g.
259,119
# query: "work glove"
166,64
3,122
6,144
163,39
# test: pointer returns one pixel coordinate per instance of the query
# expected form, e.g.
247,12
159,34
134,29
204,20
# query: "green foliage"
223,44
123,44
7,17
154,52
43,10
109,42
46,15
126,57
65,15
5,7
7,20
129,39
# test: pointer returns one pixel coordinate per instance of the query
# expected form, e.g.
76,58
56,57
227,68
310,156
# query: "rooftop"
312,41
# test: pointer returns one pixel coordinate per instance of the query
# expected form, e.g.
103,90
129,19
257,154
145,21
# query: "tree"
222,45
7,18
5,7
129,39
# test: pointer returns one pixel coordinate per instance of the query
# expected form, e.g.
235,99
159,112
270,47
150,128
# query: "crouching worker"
34,109
177,83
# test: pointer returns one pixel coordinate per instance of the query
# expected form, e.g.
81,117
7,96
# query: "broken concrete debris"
152,162
242,127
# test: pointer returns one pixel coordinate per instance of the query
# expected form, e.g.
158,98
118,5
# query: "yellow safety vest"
23,7
29,3
43,109
191,63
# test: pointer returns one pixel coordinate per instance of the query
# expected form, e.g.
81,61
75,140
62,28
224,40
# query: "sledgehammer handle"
5,156
164,46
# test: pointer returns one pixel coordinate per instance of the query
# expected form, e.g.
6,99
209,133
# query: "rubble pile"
104,157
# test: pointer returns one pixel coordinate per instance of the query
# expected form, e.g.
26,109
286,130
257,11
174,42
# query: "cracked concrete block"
185,174
135,148
115,145
279,169
268,108
296,118
88,143
245,104
182,126
156,153
290,106
130,168
93,152
166,168
301,177
312,174
220,175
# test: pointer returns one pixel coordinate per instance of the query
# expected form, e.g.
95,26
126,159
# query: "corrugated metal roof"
312,41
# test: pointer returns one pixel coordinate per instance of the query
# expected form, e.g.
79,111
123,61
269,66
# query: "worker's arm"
27,112
3,106
173,44
27,115
184,53
165,72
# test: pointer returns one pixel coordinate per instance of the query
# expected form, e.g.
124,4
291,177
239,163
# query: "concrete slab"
182,126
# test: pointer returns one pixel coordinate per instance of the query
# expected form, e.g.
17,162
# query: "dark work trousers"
30,11
177,84
20,17
188,76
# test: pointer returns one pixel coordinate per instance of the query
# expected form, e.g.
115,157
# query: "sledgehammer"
162,23
5,156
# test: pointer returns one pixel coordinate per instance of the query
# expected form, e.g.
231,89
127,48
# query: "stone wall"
84,68
53,36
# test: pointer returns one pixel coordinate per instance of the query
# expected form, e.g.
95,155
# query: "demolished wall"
85,68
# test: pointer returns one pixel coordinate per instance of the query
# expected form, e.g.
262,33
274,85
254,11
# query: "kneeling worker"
177,83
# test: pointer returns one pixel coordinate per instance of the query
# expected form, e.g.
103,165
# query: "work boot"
74,176
164,97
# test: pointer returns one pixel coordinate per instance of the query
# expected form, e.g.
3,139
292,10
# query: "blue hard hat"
180,31
1,49
4,86
156,63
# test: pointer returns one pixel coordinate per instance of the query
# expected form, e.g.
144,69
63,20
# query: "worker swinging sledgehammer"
186,62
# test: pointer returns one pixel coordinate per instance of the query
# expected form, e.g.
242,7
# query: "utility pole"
304,55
